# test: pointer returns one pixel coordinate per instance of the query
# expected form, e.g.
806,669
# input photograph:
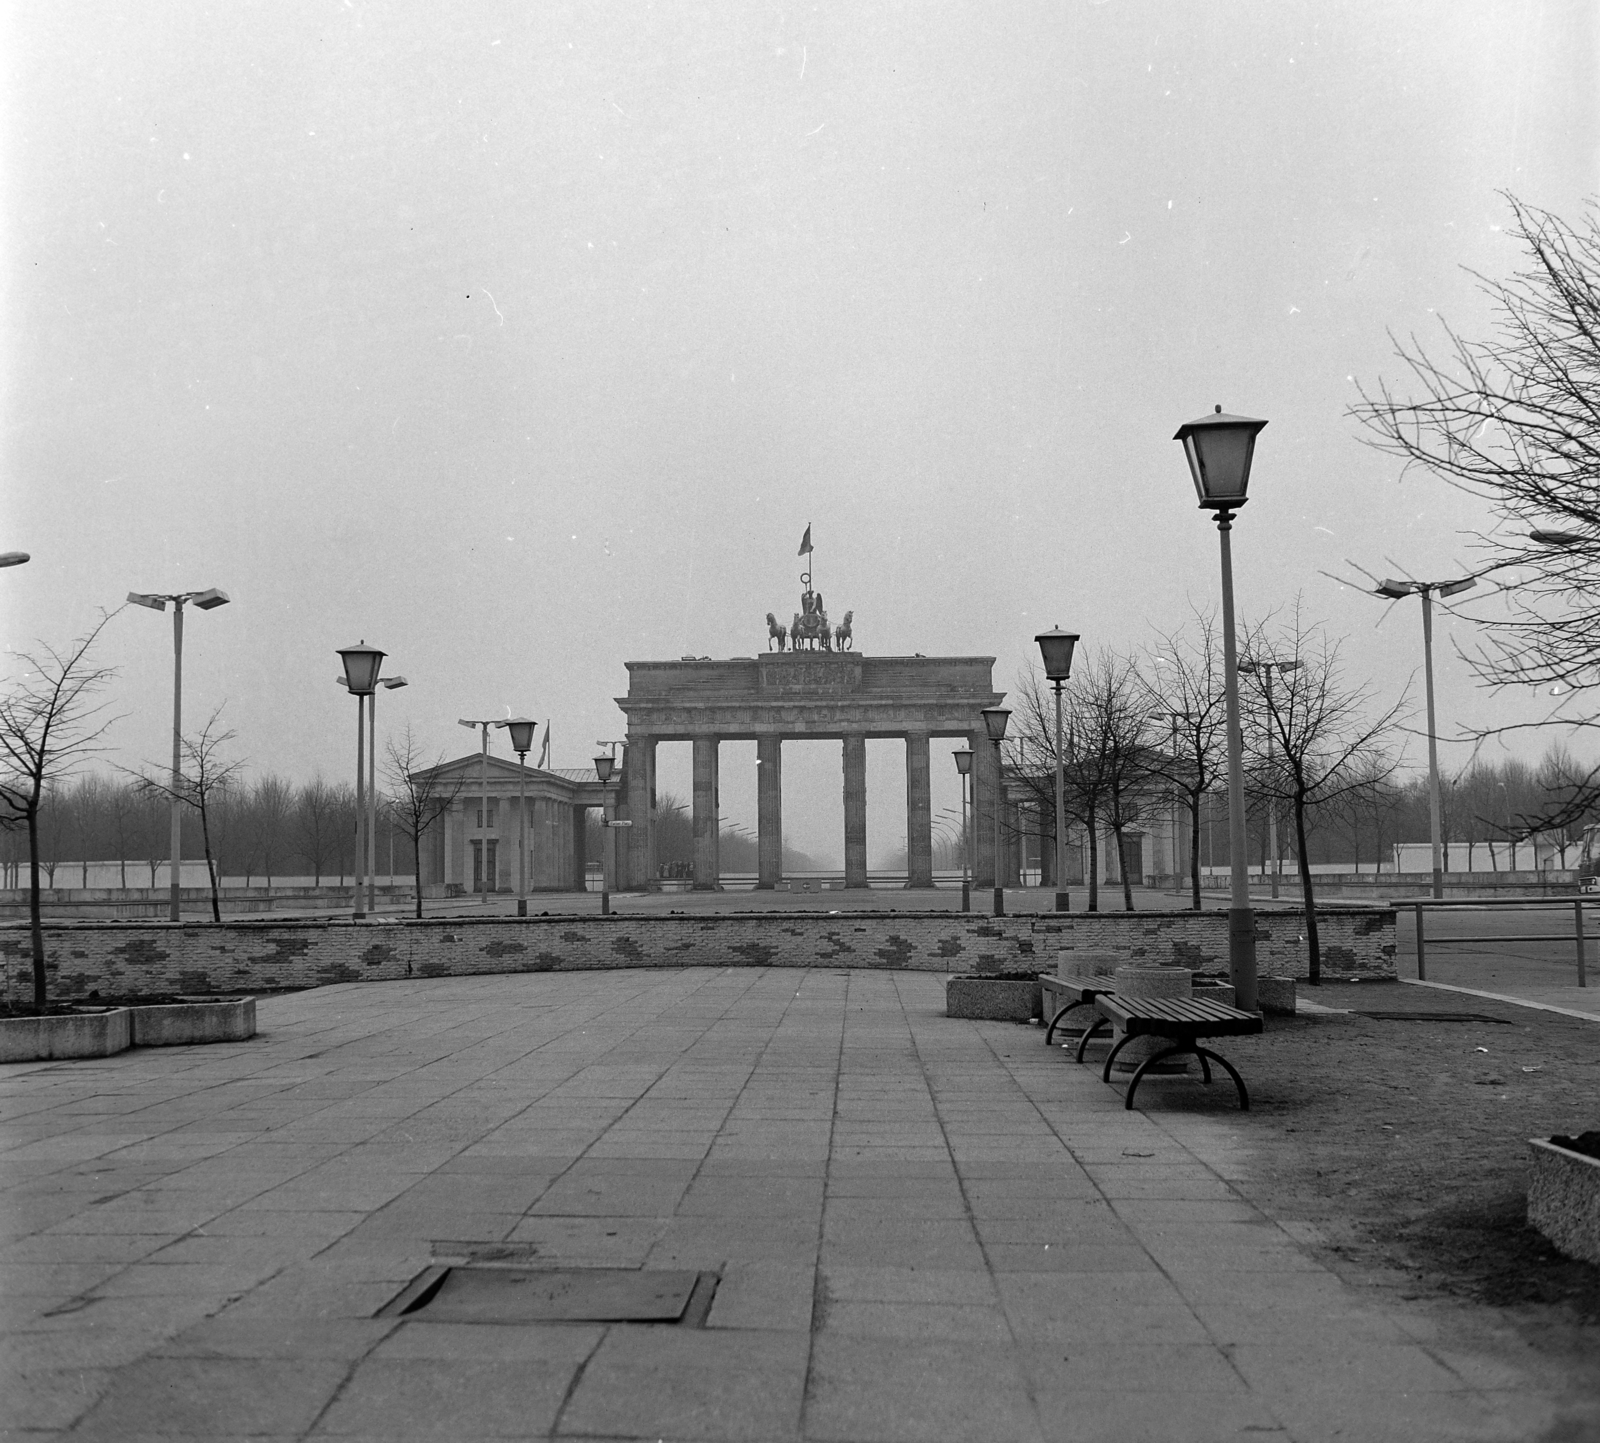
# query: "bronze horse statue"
775,633
842,637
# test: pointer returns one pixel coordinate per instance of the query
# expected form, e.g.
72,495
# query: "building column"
919,812
580,851
640,762
769,811
707,862
1012,842
985,784
855,811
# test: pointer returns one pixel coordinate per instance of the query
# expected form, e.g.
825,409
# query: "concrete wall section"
147,957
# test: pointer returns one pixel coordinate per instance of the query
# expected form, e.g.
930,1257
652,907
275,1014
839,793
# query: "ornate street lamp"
1219,450
361,666
204,601
994,722
1056,649
964,767
604,766
522,731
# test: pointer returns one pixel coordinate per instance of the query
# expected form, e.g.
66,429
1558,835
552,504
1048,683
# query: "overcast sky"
524,340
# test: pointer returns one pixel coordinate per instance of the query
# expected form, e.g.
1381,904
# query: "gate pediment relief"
809,674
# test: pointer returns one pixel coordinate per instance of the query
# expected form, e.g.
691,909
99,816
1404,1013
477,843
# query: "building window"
479,815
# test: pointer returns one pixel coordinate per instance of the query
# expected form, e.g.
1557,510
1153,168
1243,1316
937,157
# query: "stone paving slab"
925,1229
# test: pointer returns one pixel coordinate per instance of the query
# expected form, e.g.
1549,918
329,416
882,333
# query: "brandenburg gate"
804,694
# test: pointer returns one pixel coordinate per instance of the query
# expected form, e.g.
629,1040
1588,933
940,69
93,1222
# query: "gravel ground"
1404,1143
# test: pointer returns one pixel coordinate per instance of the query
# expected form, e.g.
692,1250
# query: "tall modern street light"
204,601
391,683
1056,648
1219,450
964,766
483,786
1393,590
14,558
522,731
361,666
1251,667
994,722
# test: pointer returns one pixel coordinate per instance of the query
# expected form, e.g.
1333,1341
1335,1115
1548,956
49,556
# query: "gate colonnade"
804,695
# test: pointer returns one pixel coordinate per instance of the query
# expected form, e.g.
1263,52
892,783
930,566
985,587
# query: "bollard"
1148,981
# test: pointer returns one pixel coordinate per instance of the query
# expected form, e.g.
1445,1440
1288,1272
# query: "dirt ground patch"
1404,1141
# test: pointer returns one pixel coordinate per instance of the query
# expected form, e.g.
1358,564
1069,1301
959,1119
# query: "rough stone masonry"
147,957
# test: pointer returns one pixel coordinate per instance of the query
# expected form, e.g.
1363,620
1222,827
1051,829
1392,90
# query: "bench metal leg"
1127,1037
1182,1048
1054,1021
1101,1026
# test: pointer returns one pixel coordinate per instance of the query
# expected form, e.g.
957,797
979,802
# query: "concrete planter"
994,999
1275,995
70,1034
1564,1198
194,1021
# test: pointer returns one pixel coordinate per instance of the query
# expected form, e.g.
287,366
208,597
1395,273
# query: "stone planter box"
70,1034
1011,997
1275,995
1564,1198
194,1021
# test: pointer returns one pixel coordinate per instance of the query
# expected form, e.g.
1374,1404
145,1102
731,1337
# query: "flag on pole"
805,541
544,754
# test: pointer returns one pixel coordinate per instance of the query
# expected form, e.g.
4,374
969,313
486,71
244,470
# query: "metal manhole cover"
1435,1017
552,1295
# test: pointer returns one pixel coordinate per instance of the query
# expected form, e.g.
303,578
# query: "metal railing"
1575,905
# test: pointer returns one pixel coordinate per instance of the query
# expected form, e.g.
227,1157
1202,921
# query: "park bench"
1182,1022
1064,994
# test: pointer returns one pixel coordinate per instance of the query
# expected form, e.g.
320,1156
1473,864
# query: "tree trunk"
416,854
1094,864
1194,849
211,871
1313,946
1122,869
35,924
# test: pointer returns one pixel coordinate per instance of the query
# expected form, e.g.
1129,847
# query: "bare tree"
50,721
1515,419
420,796
1327,739
1185,681
206,780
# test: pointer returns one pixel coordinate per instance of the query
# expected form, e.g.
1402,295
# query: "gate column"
640,872
707,859
769,811
919,812
855,810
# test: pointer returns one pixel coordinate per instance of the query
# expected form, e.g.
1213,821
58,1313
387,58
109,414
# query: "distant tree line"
260,829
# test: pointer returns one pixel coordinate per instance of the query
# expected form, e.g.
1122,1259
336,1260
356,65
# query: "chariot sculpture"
809,631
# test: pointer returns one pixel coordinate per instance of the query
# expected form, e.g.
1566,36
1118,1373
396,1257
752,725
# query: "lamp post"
156,601
1393,590
14,558
1250,668
604,766
994,722
1219,450
371,854
522,731
361,666
483,787
964,767
1056,649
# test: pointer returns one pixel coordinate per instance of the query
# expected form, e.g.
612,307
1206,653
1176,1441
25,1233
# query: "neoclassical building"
454,848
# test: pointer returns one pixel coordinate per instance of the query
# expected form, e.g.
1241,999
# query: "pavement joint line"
1503,997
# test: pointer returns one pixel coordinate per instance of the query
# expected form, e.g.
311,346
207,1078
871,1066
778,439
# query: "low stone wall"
144,957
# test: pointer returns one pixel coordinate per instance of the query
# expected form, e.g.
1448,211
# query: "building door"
477,865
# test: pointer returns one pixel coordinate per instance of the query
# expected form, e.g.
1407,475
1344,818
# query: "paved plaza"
925,1229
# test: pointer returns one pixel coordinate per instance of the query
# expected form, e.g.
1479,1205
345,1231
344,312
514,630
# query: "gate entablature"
805,695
